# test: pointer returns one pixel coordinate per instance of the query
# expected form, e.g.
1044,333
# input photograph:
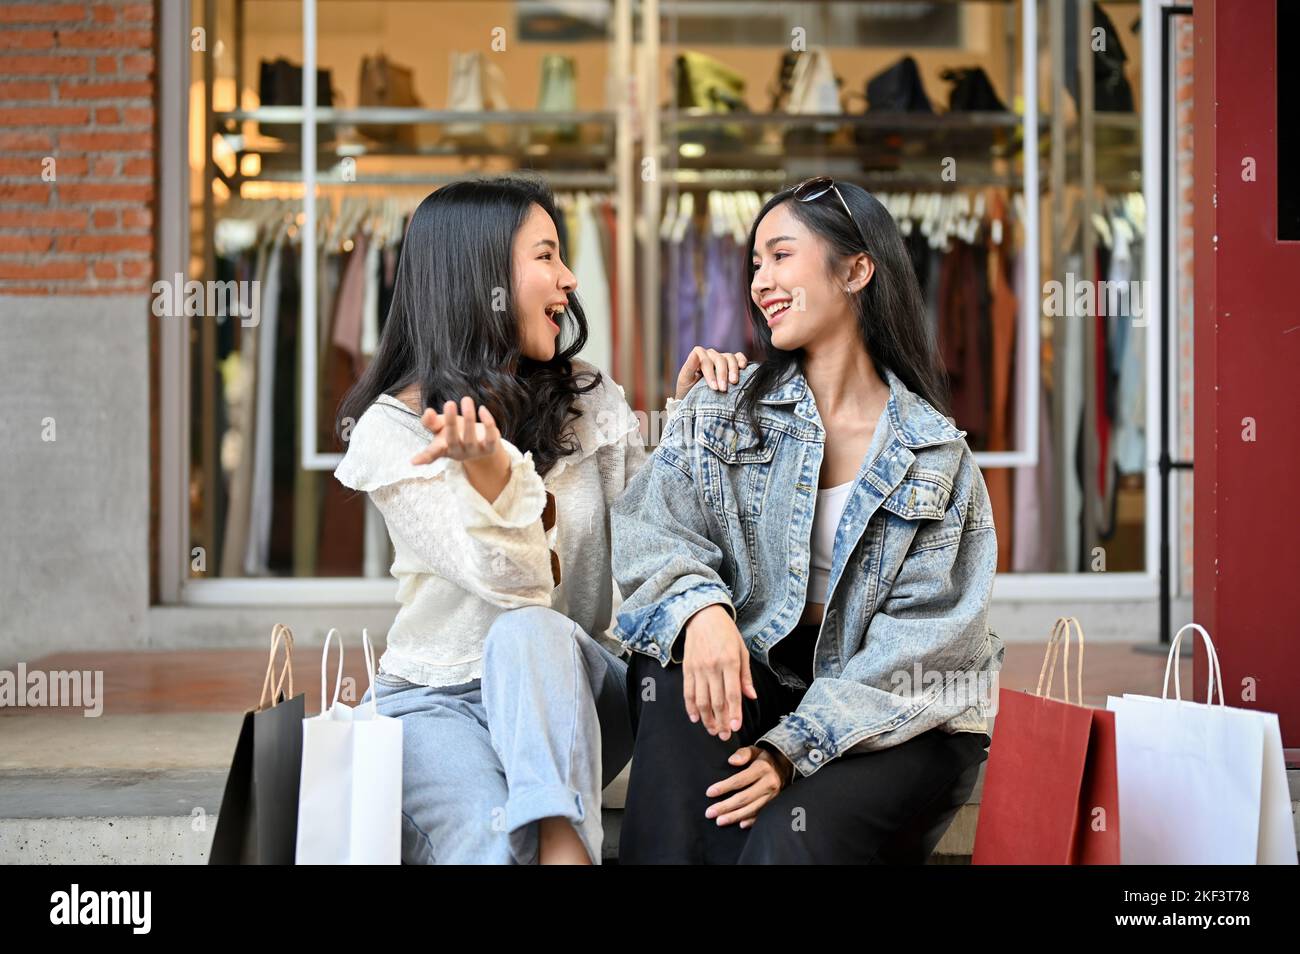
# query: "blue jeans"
540,734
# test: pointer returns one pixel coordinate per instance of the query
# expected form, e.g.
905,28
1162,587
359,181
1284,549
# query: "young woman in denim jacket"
510,691
806,564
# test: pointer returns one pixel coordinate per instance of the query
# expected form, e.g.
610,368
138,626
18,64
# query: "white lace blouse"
461,561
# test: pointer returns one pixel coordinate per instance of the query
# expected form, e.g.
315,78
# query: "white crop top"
826,520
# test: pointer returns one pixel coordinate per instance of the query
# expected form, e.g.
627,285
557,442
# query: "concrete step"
146,789
146,815
169,817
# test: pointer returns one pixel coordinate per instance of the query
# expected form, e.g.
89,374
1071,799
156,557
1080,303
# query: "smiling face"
542,284
801,300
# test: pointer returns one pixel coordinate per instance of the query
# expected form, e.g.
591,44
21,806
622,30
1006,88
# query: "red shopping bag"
1051,792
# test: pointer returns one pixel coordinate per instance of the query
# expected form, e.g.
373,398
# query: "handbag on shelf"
1051,794
814,90
558,94
384,83
280,84
258,819
971,91
781,86
704,86
897,89
1111,90
477,85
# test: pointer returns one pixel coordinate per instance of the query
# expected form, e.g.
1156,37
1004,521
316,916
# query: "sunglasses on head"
812,189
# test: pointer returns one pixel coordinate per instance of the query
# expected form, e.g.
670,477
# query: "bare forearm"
489,475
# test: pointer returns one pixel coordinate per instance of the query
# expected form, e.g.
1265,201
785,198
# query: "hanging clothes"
1034,493
933,274
387,281
569,210
705,301
963,324
1104,410
603,208
1130,345
1070,396
1003,308
308,496
258,544
339,547
668,255
350,309
1034,538
341,528
286,456
725,317
234,541
593,288
370,301
686,300
919,252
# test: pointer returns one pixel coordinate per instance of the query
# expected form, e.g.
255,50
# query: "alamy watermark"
75,906
178,298
961,689
1074,298
37,688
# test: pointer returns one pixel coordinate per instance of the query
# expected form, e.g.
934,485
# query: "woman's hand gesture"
717,367
458,435
715,671
761,780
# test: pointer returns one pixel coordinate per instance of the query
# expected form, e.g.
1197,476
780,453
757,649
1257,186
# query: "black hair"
890,309
452,326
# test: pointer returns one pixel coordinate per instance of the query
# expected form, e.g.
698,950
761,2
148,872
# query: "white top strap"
1216,674
338,676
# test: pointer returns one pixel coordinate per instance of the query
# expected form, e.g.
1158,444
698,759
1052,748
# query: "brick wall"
77,140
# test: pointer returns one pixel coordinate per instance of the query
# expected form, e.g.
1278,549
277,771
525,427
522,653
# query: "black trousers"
884,807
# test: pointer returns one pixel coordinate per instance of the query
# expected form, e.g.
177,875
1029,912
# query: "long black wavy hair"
889,309
452,325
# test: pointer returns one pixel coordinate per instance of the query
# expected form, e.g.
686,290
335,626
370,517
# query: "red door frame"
1247,365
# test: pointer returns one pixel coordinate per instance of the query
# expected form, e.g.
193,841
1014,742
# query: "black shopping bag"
258,820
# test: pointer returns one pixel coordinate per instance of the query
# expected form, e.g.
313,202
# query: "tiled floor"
137,683
168,712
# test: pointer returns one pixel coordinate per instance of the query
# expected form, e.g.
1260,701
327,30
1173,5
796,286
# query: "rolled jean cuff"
554,801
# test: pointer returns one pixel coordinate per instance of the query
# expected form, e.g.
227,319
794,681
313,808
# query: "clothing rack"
766,150
1101,224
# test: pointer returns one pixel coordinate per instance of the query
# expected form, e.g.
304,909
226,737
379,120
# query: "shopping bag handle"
1215,671
338,676
279,633
370,669
1061,633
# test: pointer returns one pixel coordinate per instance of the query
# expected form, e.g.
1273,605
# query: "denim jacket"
904,644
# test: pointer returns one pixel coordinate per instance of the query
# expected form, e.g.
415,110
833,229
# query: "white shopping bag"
1200,783
350,799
